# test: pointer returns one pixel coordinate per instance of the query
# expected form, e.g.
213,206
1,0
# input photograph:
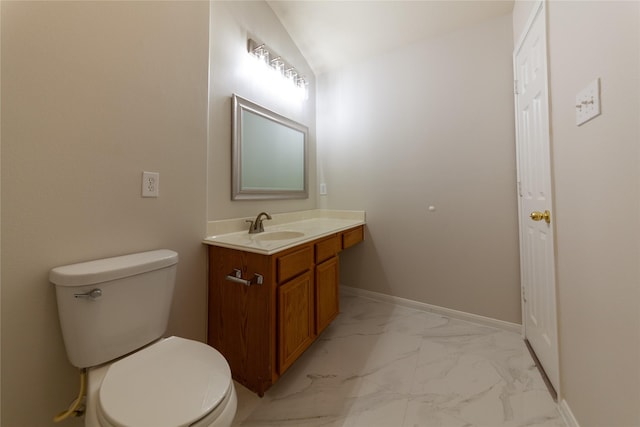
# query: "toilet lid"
171,383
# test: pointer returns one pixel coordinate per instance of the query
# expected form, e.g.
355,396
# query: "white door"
535,195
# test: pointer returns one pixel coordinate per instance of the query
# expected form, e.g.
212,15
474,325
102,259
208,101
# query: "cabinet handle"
236,277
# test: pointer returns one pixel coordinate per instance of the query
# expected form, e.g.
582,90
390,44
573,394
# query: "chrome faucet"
256,226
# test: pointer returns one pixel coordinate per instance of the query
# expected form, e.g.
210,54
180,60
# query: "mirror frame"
239,105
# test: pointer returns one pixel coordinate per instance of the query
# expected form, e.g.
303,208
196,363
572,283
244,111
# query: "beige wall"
597,183
93,93
429,124
521,13
231,24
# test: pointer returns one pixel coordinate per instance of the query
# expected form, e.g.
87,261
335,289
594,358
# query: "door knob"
539,216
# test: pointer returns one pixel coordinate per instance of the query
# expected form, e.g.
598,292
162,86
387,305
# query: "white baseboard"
567,415
469,317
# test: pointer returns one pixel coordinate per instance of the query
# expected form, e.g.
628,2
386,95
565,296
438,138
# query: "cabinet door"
327,297
295,319
242,319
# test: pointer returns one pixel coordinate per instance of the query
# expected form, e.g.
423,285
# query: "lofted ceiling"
331,34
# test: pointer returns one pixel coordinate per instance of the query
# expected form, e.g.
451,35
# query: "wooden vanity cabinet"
261,329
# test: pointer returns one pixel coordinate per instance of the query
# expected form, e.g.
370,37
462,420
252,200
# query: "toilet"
113,313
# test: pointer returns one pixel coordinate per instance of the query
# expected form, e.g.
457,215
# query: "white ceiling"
331,34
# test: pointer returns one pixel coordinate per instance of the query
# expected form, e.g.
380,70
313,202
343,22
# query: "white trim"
567,415
461,315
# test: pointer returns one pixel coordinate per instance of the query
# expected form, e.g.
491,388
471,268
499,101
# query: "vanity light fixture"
262,54
278,64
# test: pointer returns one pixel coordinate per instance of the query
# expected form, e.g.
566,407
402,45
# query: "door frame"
538,10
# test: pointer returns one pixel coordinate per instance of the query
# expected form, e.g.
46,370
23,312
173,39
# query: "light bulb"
292,75
278,65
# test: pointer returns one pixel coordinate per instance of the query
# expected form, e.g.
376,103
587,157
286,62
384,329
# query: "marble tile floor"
380,364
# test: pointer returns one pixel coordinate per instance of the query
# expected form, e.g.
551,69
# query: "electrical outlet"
323,189
150,184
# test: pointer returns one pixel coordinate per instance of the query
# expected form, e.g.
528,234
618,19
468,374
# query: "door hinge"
520,188
515,87
524,295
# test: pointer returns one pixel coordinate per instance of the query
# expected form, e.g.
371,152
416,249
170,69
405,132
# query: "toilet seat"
172,383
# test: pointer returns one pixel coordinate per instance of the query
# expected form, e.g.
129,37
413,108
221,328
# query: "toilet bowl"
173,382
113,313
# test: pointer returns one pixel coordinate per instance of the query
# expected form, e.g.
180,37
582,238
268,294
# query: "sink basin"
278,235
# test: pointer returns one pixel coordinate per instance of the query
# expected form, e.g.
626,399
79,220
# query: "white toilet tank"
111,307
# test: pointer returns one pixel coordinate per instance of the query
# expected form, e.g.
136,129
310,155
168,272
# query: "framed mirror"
269,154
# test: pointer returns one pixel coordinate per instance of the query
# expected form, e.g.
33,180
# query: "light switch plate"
588,102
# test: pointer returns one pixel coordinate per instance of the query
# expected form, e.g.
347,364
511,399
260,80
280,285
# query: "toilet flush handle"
92,294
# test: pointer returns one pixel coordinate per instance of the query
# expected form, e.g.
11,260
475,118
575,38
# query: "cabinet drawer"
351,237
294,263
327,248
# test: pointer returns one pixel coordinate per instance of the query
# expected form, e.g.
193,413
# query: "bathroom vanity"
271,294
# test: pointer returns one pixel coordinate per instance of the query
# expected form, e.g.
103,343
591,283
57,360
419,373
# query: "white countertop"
312,224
